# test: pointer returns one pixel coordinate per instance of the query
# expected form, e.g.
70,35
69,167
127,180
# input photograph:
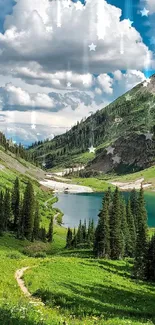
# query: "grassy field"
98,185
75,287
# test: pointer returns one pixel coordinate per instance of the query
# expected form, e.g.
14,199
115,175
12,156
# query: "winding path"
18,276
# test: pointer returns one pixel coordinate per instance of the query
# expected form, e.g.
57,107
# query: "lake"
87,205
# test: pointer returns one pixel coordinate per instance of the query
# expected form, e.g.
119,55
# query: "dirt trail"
18,276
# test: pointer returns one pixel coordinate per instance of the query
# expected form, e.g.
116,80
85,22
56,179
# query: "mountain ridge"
131,116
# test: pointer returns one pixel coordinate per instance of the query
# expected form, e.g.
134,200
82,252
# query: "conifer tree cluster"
20,214
83,237
18,150
122,227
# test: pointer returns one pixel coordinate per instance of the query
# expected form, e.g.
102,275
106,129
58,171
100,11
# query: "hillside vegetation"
122,124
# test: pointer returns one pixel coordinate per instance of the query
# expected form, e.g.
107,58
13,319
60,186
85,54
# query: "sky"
62,60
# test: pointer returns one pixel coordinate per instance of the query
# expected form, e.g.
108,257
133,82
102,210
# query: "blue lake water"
87,205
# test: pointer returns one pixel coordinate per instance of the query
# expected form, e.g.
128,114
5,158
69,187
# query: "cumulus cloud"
11,97
45,53
105,82
31,35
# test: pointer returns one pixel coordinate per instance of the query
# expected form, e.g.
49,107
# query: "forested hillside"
131,118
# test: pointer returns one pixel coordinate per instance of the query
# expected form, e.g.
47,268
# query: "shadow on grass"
81,253
124,270
100,300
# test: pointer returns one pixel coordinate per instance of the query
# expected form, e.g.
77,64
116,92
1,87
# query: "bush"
14,255
37,249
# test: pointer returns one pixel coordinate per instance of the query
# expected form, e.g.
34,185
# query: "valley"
90,290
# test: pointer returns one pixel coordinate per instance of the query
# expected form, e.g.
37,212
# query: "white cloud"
33,44
98,91
117,75
150,4
14,96
105,81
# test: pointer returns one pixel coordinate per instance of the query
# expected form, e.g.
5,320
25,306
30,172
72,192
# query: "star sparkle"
110,150
79,5
144,12
33,126
92,47
148,136
130,22
116,159
146,82
92,149
128,97
69,84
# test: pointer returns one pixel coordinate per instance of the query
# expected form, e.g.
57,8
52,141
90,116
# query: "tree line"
121,232
83,237
17,149
19,213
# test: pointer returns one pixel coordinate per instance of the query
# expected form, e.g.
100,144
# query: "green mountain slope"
122,124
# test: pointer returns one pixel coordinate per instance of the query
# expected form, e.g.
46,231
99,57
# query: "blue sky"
58,64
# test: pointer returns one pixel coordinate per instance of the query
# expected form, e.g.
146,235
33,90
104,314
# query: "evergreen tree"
116,243
50,231
134,207
84,232
90,233
7,210
1,213
74,241
132,230
102,233
69,238
142,238
28,211
36,226
124,228
42,234
150,261
79,234
15,203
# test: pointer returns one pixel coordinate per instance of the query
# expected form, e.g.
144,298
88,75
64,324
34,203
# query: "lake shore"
132,185
60,184
60,187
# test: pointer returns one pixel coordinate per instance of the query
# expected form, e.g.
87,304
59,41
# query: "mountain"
126,127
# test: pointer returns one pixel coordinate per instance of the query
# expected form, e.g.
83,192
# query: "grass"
76,288
96,184
89,291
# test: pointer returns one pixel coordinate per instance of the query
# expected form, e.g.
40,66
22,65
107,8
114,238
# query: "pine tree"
142,238
74,240
132,230
1,213
69,238
102,233
36,226
90,233
15,203
116,243
50,231
124,227
28,211
134,206
79,234
84,232
7,210
150,261
42,234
